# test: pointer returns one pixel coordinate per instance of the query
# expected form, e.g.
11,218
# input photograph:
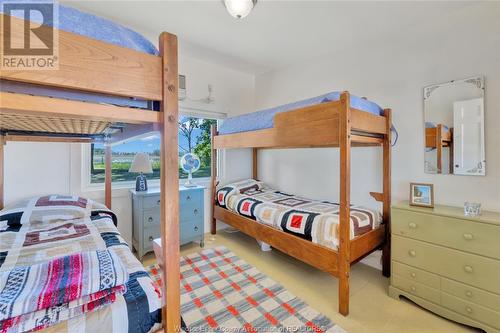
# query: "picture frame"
422,195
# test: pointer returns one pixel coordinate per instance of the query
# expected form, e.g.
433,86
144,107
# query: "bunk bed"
332,120
439,136
111,83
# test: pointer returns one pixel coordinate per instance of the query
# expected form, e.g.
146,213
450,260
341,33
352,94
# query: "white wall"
393,73
42,168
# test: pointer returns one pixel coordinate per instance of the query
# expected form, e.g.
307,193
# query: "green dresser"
448,263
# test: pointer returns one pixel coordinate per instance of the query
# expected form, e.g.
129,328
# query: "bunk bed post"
169,183
386,210
107,175
2,142
439,148
213,183
344,262
255,169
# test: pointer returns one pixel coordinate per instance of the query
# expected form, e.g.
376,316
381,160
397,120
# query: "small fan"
190,163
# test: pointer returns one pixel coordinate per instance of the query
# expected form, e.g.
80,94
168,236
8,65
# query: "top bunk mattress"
85,24
265,118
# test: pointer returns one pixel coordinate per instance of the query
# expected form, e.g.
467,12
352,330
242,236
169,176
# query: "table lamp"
142,165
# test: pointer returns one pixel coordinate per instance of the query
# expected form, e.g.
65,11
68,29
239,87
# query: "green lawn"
119,172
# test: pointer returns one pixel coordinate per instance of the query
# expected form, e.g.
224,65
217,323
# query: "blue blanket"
265,118
78,22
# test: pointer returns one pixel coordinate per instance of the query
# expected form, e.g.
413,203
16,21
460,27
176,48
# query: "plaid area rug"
222,293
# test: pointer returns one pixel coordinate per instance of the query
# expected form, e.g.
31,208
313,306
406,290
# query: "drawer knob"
150,219
150,238
195,211
413,288
412,253
468,269
468,293
413,275
188,197
412,225
468,309
158,202
468,236
195,228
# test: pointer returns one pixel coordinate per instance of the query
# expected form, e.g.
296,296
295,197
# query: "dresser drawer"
417,289
471,310
151,202
417,275
471,269
463,267
151,218
415,253
471,294
474,237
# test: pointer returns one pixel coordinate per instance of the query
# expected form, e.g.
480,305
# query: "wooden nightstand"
146,217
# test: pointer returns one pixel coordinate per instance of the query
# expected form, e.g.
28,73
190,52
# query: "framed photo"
422,195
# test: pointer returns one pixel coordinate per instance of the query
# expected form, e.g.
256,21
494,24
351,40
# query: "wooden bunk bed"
440,137
90,66
330,124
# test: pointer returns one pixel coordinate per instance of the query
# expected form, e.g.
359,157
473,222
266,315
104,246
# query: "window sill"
205,182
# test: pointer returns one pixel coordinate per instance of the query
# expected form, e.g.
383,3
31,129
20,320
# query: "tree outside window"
194,136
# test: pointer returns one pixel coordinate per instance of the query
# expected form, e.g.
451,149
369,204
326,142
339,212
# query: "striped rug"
222,293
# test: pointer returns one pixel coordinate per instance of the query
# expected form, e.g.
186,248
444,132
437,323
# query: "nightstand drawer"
417,275
188,197
151,202
191,211
471,294
151,217
417,289
474,237
149,235
191,229
471,310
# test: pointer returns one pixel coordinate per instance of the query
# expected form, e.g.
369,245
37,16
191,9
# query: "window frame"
87,185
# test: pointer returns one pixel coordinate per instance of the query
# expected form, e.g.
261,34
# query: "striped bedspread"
64,267
314,220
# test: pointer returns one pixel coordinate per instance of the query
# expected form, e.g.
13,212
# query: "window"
194,136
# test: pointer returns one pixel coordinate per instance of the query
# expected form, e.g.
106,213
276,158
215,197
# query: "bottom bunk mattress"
64,267
314,220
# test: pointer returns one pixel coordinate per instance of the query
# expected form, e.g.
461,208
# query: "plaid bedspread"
65,268
314,220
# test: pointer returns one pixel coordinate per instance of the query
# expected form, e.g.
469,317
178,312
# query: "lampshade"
141,163
239,8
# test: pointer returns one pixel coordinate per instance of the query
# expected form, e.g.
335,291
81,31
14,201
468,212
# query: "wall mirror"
454,127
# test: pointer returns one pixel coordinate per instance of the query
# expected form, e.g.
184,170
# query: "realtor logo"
29,35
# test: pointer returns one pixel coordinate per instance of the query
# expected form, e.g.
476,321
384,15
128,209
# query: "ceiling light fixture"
239,8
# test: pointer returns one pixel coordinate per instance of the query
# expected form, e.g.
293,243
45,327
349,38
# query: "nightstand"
146,217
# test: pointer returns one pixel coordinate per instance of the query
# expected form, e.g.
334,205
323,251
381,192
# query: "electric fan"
190,163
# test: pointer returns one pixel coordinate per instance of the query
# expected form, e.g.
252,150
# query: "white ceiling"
276,33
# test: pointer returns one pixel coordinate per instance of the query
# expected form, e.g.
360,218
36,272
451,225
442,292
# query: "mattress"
313,220
265,118
47,229
78,22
